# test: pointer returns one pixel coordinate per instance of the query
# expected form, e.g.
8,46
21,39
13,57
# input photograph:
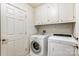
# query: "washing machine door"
35,46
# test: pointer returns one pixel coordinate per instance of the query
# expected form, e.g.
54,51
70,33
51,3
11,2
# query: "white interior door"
13,37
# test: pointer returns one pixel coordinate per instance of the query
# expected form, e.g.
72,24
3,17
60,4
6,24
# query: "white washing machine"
61,46
38,45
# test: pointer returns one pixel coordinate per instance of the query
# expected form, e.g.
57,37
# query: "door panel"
20,47
19,27
19,14
10,26
10,9
11,48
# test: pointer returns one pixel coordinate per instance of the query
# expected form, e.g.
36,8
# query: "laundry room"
39,29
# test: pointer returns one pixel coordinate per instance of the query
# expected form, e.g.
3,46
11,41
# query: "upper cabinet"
41,15
77,11
52,13
76,29
66,12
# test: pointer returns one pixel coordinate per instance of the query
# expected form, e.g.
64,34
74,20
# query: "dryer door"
35,46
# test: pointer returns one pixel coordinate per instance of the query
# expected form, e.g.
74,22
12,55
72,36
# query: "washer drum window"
36,48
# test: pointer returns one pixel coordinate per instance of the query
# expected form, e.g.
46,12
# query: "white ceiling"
35,4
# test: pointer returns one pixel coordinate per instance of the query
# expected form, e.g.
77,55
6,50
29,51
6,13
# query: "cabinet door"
52,13
41,14
77,23
77,20
37,16
77,11
66,11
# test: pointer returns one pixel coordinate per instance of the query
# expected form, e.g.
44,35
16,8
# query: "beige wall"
0,29
57,28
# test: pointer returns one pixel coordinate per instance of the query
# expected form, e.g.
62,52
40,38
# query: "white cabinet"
77,11
41,15
66,12
77,20
54,13
37,16
76,28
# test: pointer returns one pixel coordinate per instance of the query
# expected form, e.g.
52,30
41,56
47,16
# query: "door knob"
3,40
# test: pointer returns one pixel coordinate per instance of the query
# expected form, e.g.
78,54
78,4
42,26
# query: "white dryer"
61,46
38,45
